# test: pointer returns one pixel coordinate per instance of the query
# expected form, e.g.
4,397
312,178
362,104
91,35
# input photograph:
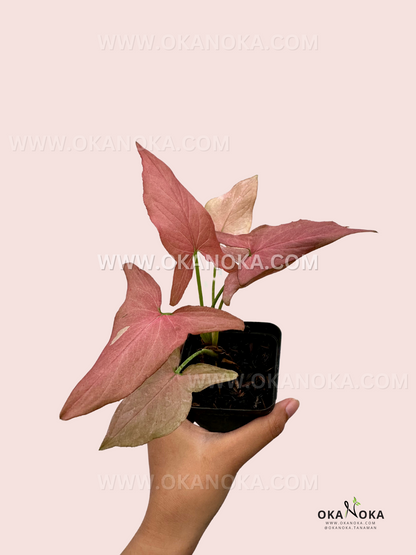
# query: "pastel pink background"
330,133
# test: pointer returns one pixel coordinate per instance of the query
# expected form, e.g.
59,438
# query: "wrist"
162,532
152,540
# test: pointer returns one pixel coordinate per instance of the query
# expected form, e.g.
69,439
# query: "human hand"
192,471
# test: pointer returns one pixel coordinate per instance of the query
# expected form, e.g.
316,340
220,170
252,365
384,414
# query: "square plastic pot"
228,419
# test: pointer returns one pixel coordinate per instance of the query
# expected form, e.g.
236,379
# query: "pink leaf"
273,248
184,225
161,403
233,212
181,278
233,257
141,341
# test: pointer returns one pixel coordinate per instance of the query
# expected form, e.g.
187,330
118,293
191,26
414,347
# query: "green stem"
217,297
213,286
188,360
221,305
198,279
165,313
206,338
215,335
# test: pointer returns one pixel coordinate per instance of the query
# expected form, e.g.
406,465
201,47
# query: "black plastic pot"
227,419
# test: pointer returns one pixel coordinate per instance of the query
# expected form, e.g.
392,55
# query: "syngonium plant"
140,363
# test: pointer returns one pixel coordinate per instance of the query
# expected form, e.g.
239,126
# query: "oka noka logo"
362,514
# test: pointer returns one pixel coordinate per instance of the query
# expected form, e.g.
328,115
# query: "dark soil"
252,356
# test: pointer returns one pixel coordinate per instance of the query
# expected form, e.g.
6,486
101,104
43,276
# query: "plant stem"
215,335
165,313
213,286
217,297
221,305
198,279
206,338
200,352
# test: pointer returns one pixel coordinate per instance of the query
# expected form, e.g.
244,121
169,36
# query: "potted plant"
141,363
254,355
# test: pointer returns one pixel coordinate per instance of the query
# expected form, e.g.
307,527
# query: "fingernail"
292,407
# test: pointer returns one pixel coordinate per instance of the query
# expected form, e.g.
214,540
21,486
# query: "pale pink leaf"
233,211
141,341
273,248
184,225
161,403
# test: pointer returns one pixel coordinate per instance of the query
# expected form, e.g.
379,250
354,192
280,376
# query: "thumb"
248,440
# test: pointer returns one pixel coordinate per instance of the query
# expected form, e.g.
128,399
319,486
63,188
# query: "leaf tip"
65,413
364,230
106,444
233,375
139,147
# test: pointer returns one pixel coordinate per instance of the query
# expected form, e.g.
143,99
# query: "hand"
193,470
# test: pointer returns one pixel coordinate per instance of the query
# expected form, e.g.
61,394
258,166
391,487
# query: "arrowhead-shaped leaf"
273,248
233,212
161,403
184,225
141,341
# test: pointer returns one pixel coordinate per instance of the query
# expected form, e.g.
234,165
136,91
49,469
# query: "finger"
248,440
